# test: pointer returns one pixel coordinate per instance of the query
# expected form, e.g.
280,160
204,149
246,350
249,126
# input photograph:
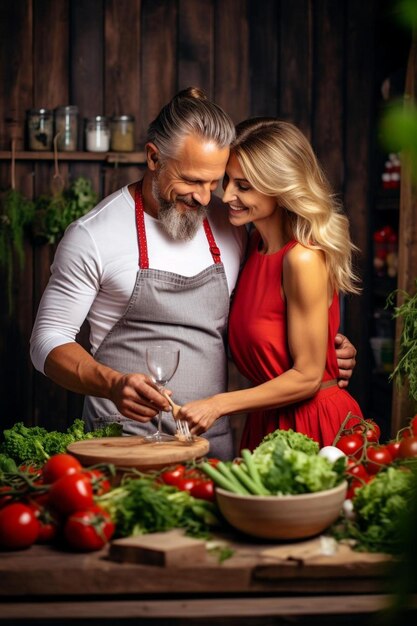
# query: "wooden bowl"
282,517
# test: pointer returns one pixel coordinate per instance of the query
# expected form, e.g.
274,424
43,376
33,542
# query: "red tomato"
203,489
99,481
88,530
172,475
19,527
213,462
413,424
351,445
404,433
392,447
377,458
356,469
408,448
187,483
70,493
371,432
60,465
356,484
48,523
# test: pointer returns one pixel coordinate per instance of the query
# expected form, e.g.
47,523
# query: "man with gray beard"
153,263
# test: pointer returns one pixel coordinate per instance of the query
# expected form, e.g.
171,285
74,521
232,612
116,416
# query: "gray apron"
186,312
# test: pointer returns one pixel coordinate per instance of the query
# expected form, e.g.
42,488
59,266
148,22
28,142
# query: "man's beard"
180,226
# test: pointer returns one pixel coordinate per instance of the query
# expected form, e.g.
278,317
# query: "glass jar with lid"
122,133
40,129
97,134
66,127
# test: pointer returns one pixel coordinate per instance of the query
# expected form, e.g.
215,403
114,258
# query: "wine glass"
162,362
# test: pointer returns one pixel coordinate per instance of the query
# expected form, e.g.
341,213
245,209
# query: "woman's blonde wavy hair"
277,160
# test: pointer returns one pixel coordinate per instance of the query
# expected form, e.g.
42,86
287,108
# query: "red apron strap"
215,252
140,228
141,232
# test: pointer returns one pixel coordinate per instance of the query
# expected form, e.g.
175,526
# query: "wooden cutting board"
133,451
168,549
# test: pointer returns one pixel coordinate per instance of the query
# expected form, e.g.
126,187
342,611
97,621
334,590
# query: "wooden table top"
253,567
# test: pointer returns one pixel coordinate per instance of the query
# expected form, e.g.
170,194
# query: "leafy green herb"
54,213
16,214
7,464
140,506
220,551
34,444
381,508
406,367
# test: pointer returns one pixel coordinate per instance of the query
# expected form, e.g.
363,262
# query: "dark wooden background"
314,62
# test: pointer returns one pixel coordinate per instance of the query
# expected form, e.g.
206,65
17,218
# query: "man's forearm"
75,369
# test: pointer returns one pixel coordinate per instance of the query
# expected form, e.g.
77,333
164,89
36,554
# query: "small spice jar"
122,133
40,129
66,127
97,134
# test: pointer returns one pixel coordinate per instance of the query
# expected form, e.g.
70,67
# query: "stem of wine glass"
159,419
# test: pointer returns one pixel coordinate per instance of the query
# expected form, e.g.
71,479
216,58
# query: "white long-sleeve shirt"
95,267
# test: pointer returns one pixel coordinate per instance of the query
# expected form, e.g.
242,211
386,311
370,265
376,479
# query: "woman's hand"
345,353
201,414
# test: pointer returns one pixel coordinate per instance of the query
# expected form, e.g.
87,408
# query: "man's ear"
152,156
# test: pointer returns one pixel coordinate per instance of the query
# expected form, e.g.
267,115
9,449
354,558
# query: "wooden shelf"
128,158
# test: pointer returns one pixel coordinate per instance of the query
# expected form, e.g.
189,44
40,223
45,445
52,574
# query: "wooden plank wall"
309,61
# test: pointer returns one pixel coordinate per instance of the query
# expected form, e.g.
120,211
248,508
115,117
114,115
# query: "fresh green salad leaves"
288,463
292,471
289,438
284,463
140,506
381,508
34,444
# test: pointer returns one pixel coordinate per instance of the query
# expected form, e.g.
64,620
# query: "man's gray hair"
190,113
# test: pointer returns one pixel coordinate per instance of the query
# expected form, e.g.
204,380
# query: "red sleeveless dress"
258,343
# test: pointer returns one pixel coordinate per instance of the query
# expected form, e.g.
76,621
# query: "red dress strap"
141,232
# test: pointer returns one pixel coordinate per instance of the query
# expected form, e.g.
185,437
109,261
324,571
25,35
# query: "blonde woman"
285,311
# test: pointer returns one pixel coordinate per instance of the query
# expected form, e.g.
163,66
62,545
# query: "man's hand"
136,397
345,353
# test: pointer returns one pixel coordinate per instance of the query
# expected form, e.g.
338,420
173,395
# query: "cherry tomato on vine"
48,523
404,433
60,465
99,481
88,530
356,470
393,447
204,490
377,458
72,492
356,484
407,448
19,527
351,445
173,475
413,424
372,433
187,483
